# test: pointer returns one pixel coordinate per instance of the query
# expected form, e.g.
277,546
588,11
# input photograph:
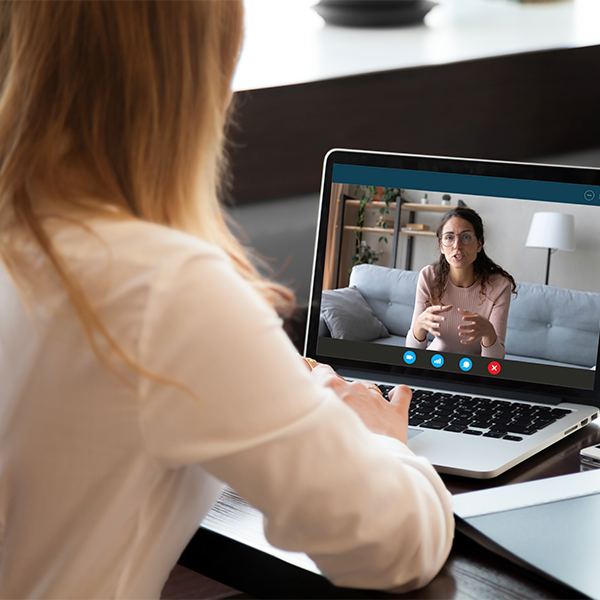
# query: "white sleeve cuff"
393,445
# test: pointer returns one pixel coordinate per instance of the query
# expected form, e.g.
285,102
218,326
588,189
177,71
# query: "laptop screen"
466,271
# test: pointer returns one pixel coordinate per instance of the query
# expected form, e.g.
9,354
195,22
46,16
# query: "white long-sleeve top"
102,484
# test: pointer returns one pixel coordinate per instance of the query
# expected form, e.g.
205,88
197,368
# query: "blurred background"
497,79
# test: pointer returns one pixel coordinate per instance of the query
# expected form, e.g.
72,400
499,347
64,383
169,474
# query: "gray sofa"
546,324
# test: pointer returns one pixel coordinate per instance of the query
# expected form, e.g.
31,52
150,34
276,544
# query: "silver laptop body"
376,231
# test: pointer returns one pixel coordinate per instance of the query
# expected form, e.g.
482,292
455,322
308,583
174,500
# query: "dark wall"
510,107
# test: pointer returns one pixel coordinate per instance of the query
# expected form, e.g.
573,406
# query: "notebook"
471,415
550,527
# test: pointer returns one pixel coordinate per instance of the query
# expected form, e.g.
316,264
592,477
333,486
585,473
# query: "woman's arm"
491,331
421,298
499,319
363,507
367,510
426,318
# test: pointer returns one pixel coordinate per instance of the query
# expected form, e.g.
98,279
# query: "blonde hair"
140,89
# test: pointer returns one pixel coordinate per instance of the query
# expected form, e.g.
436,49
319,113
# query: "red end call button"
494,368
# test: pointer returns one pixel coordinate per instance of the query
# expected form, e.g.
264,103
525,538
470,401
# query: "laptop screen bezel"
435,164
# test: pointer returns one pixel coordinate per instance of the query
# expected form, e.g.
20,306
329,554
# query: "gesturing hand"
429,321
476,327
379,415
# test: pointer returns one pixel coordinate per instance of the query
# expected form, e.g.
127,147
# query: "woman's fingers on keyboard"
366,399
401,395
328,377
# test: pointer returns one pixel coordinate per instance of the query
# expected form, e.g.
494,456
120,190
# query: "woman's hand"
379,415
476,327
429,321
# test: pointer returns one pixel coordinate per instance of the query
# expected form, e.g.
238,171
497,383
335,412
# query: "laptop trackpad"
413,433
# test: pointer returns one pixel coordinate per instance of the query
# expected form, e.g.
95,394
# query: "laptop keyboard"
470,415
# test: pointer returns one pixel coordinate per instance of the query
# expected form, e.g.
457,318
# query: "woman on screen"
463,299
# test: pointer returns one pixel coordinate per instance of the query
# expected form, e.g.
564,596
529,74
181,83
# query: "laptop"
471,415
549,526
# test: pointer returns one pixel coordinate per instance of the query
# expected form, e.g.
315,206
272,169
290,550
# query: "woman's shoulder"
499,284
137,241
426,278
132,251
499,280
153,235
427,273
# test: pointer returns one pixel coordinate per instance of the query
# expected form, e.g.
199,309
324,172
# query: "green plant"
389,195
365,255
367,194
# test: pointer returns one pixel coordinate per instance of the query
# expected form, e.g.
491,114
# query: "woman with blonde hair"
143,359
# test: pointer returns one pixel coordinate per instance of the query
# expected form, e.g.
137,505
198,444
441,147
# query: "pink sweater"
494,307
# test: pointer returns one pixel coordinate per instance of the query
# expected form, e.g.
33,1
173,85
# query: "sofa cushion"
349,317
545,323
390,293
553,323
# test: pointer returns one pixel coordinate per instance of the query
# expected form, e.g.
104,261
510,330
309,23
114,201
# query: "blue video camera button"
409,357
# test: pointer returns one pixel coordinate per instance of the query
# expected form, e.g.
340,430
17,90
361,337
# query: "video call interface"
384,236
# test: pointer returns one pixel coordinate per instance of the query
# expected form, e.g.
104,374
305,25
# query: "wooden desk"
470,572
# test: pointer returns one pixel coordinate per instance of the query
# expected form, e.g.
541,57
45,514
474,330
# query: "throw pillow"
349,317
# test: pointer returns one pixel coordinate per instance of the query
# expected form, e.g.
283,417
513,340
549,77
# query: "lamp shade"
552,230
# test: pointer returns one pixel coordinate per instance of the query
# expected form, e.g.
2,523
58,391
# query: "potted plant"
364,254
370,193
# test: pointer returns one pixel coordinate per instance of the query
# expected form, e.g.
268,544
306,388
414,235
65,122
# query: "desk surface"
470,572
287,43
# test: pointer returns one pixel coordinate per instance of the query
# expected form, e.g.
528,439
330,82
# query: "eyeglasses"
466,237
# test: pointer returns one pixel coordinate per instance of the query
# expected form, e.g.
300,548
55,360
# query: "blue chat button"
437,360
465,364
409,357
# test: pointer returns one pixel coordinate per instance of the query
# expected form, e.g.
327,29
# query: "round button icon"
494,368
437,360
589,195
409,357
465,364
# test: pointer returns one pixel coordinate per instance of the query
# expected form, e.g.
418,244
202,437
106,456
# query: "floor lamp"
554,231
